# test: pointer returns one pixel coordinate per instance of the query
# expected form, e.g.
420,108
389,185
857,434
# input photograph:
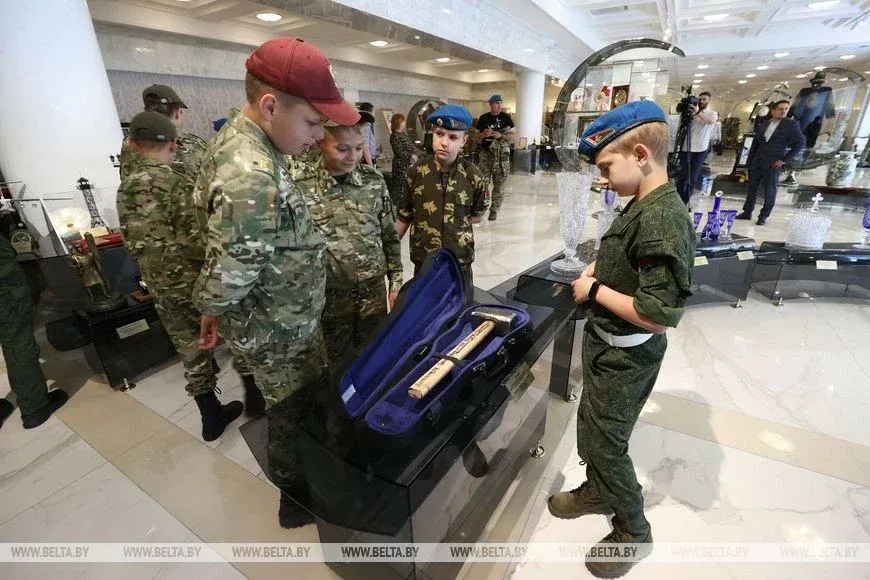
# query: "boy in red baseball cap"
264,278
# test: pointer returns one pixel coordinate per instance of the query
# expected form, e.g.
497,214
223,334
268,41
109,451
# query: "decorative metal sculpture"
88,267
84,186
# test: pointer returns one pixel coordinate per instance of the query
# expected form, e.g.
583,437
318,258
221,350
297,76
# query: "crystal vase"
573,198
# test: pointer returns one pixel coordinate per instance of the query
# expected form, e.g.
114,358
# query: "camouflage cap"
164,94
152,126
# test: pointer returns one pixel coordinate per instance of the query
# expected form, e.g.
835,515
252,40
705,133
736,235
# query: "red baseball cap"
298,68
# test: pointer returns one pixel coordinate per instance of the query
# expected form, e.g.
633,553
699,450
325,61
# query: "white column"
530,105
58,120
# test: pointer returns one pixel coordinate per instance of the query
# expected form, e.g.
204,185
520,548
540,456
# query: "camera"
687,101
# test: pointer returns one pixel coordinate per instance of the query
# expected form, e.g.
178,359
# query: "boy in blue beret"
445,194
634,291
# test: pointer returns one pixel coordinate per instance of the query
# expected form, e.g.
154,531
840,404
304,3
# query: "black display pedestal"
723,271
837,270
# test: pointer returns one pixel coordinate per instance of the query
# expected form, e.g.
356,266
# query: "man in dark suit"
776,143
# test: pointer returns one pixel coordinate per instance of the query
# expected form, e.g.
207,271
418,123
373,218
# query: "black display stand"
850,197
837,270
723,271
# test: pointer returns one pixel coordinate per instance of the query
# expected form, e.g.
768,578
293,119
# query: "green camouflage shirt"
439,207
158,220
648,253
264,273
189,152
358,222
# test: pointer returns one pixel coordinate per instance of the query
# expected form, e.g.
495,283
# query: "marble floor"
756,432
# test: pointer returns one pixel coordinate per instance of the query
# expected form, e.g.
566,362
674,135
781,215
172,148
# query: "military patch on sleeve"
596,138
264,164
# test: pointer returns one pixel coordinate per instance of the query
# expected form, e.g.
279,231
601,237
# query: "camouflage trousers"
181,321
496,167
291,377
616,385
350,315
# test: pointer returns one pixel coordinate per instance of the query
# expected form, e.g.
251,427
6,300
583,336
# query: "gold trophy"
88,267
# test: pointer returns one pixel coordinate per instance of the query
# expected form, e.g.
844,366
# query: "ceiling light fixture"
844,79
823,4
742,81
800,76
269,17
699,74
379,43
716,17
751,75
483,70
697,82
781,54
443,59
820,67
847,57
762,67
416,37
703,66
447,11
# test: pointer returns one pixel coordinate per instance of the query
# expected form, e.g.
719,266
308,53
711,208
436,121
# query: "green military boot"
581,501
626,541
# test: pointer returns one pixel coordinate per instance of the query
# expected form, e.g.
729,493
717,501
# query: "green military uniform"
355,216
495,163
648,253
16,335
264,275
438,206
158,219
188,156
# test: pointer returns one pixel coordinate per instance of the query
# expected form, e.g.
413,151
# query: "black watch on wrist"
593,291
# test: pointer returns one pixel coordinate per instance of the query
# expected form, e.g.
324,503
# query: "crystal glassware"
573,198
696,220
865,223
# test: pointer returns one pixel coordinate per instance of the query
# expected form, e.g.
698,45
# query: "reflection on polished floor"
756,432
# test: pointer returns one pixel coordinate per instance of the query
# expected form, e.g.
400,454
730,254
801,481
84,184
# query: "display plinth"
837,270
723,270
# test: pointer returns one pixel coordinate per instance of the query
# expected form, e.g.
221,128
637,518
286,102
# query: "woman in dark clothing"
404,154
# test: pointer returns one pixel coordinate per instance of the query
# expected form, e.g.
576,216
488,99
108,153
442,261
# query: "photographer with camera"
697,123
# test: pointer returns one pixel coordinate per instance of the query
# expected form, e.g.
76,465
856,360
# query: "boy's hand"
391,299
581,287
208,332
589,271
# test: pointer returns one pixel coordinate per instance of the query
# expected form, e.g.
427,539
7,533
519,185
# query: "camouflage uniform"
16,334
647,253
162,233
357,220
188,156
438,206
495,163
263,276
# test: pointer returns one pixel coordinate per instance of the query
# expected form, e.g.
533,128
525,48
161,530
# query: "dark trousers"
766,177
21,351
697,161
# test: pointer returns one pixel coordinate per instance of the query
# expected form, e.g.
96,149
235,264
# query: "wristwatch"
593,291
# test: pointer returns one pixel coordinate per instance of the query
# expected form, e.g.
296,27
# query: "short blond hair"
655,136
145,147
337,132
255,89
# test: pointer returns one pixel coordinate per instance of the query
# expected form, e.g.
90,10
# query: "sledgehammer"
494,320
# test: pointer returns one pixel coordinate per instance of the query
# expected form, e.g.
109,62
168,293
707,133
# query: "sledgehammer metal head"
501,317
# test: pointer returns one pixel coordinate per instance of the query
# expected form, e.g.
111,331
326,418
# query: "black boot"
6,409
216,417
493,215
292,515
56,400
635,532
744,215
255,404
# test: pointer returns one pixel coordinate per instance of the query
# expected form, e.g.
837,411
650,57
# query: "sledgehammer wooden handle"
442,368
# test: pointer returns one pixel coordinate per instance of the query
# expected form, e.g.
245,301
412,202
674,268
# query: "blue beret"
614,123
219,123
495,99
451,117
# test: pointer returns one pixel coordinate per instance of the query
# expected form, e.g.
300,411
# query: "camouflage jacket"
439,207
357,220
648,253
189,152
158,220
264,273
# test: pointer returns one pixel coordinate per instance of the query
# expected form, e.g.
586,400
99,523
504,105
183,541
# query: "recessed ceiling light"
484,70
781,54
699,74
697,82
742,81
820,67
269,17
379,43
447,11
416,37
823,4
703,66
443,59
801,76
715,17
751,75
762,67
843,79
144,49
847,56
